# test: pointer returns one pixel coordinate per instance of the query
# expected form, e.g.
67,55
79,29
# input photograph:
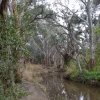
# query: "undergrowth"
18,92
12,50
86,76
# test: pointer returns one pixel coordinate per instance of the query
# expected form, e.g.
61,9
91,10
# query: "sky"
72,3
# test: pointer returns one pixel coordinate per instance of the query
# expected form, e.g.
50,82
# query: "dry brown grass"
32,73
34,67
27,75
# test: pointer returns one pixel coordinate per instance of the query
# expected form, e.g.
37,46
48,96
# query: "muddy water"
60,89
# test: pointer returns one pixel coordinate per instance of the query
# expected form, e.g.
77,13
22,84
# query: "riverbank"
61,89
34,92
86,77
47,83
32,80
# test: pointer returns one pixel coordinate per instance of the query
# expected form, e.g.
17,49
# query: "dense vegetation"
33,31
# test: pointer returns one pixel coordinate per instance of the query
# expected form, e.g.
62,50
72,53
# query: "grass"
74,72
15,93
86,76
32,73
21,91
92,75
97,68
70,68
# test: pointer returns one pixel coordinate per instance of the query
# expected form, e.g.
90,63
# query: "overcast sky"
72,3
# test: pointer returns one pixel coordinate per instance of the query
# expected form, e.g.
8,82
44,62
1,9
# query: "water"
60,89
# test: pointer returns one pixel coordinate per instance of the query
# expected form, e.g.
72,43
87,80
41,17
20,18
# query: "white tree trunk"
78,62
91,35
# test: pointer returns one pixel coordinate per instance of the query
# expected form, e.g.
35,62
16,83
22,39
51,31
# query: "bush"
86,76
17,93
12,49
93,75
75,72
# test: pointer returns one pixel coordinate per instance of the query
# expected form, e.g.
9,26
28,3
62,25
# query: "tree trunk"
91,36
79,66
3,7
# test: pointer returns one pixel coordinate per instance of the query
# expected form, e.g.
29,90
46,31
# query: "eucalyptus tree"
78,30
72,34
12,44
90,26
93,20
42,42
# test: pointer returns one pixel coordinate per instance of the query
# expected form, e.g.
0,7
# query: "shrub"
75,72
12,49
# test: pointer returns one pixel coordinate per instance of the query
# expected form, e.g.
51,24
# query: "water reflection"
59,89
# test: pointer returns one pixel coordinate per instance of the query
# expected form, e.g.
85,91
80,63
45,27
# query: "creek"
61,89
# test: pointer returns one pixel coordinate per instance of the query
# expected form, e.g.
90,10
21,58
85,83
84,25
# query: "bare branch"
36,16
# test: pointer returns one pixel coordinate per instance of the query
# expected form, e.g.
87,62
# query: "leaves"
12,49
96,2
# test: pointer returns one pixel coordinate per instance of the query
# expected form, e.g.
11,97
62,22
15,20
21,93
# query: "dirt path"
35,92
33,75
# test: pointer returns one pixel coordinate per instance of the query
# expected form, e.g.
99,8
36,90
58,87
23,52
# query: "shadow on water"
60,89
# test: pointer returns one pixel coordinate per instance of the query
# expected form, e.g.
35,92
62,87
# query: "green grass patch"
86,76
75,72
92,75
96,68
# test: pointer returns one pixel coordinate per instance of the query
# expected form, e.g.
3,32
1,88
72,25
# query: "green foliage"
92,75
96,2
76,20
75,72
12,49
97,55
86,76
97,51
96,68
62,98
96,31
19,91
